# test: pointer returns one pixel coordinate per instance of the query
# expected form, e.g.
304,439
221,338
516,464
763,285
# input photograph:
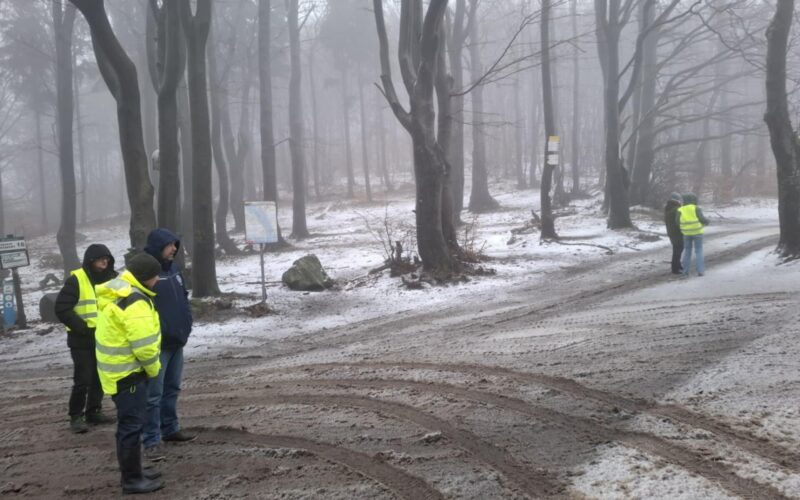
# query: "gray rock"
47,308
307,274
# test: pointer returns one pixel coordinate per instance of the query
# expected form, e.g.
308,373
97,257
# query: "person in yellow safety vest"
128,346
692,223
76,307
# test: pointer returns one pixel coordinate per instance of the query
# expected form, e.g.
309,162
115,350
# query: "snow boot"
78,425
99,418
134,480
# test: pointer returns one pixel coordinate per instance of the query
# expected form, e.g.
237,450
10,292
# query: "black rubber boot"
133,478
151,473
148,473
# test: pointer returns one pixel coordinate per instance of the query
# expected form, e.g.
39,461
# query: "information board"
261,222
10,260
13,253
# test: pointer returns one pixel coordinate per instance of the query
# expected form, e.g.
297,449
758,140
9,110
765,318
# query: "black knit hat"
143,267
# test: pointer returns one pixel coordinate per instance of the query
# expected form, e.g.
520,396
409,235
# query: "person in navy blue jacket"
172,303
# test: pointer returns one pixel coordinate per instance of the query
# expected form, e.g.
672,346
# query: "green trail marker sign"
14,254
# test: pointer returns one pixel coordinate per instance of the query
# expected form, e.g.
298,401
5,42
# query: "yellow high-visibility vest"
86,307
128,336
690,224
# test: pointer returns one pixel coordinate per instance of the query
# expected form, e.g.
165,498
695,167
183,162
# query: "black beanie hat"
143,267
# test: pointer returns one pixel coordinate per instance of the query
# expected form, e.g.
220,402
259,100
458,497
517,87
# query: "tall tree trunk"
642,165
81,146
237,154
782,135
221,215
119,73
196,28
576,124
383,160
40,169
417,50
444,133
314,121
187,167
608,32
346,117
63,24
535,138
296,143
479,198
268,166
456,41
724,189
701,154
519,126
166,58
548,221
364,152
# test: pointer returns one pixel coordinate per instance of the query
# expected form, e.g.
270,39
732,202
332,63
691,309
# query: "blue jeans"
695,241
162,398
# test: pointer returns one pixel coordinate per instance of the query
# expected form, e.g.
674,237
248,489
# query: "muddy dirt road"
591,382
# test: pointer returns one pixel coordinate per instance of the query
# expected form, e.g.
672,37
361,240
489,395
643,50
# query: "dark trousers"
677,250
87,393
131,403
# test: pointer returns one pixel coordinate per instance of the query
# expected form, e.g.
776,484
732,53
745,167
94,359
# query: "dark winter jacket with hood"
672,220
80,335
171,300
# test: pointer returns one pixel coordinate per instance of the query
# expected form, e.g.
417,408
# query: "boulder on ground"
307,274
47,308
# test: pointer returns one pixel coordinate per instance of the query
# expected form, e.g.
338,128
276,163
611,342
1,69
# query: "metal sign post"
261,227
14,254
22,320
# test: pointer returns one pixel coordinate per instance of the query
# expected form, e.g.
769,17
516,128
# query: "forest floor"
581,371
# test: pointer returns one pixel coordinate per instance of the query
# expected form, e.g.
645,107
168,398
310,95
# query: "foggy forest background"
262,100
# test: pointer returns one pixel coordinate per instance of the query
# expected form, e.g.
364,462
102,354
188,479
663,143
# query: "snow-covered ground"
752,386
346,240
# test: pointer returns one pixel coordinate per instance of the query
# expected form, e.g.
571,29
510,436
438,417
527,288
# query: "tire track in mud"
543,486
581,300
398,481
536,483
367,328
740,438
463,323
94,440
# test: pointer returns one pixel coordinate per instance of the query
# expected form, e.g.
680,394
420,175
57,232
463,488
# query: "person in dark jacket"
674,230
76,307
172,303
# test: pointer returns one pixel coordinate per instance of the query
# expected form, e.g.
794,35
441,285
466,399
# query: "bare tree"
63,24
420,41
783,137
119,73
299,228
455,44
270,179
576,122
479,199
314,118
238,149
548,221
196,28
217,94
166,60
